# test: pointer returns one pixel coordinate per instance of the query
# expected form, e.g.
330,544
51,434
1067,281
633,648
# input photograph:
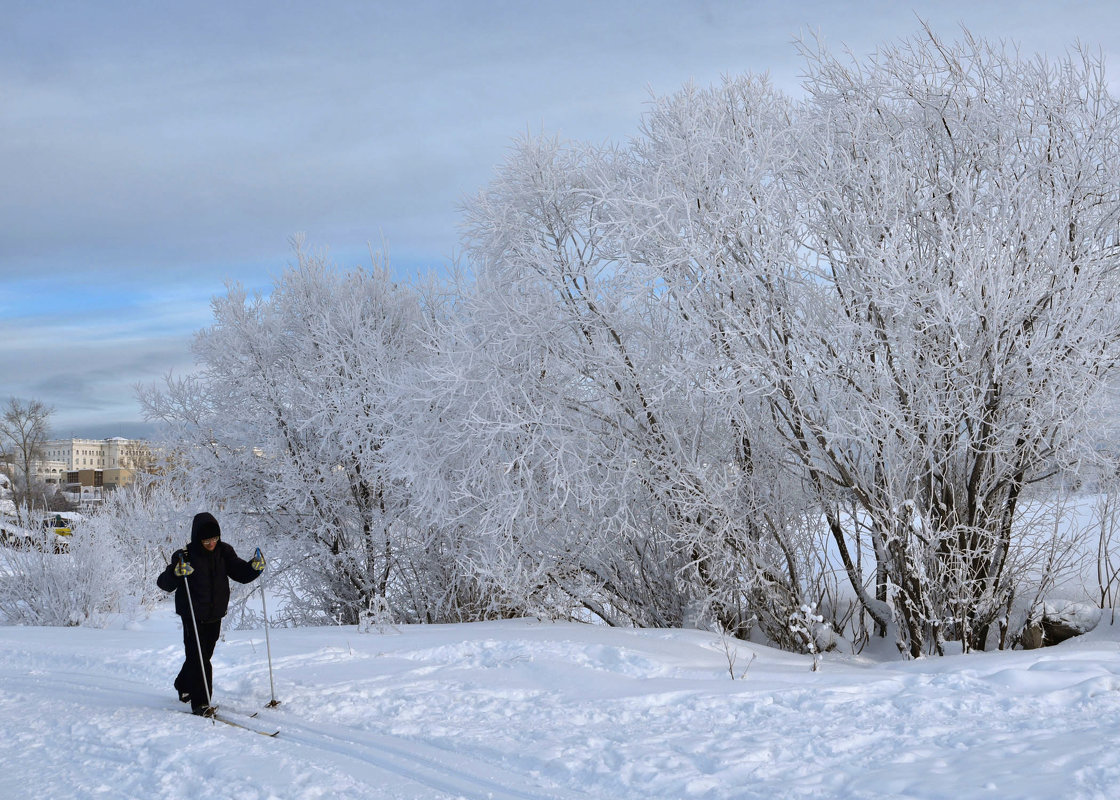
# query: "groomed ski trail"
438,769
112,703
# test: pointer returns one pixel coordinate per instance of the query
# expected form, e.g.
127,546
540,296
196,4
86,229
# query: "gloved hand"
183,567
258,561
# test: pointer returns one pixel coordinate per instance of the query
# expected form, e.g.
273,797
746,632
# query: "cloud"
84,360
154,150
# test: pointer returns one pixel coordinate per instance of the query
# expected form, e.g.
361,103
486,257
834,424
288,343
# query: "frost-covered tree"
287,423
961,209
699,200
550,414
916,268
588,438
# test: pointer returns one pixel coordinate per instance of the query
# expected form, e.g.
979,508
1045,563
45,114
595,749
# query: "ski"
248,722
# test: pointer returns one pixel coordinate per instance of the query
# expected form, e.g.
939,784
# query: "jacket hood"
204,527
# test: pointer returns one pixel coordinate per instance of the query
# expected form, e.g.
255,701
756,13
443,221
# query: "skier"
201,571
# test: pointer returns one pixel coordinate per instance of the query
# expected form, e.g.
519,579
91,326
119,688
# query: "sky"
151,152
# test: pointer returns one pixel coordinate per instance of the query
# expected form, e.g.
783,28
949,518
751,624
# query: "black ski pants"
189,679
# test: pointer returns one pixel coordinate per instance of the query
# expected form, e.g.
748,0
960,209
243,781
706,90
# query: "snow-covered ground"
524,709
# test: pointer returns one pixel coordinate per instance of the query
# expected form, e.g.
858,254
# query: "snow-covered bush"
47,582
106,568
1106,515
142,524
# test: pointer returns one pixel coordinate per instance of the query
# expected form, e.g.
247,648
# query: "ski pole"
267,642
197,641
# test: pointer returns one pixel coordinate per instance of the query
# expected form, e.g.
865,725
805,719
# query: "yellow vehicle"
61,526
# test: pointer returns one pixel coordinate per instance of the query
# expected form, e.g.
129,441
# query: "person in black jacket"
202,570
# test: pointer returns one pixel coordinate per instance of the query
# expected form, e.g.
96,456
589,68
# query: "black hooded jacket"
209,583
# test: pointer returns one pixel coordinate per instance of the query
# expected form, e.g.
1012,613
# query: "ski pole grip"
182,569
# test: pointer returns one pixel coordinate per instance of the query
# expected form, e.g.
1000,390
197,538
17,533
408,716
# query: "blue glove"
183,567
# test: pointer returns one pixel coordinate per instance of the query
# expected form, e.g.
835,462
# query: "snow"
526,709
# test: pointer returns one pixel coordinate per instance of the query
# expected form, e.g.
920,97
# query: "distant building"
107,463
113,453
51,472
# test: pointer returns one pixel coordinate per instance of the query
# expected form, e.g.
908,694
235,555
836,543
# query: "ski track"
359,760
364,758
439,769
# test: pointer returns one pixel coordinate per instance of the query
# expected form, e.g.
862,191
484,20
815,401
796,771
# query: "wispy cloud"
151,151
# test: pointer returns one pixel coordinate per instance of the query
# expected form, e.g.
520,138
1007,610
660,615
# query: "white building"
89,462
93,462
113,453
47,471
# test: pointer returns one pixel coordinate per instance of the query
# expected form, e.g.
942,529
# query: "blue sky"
152,151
